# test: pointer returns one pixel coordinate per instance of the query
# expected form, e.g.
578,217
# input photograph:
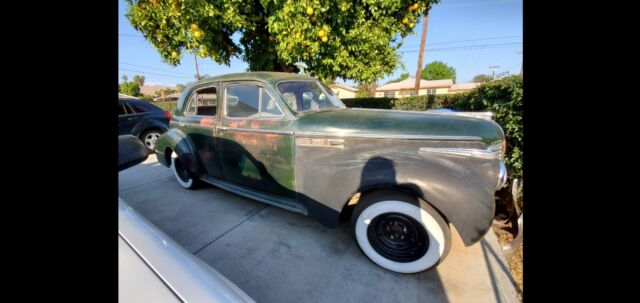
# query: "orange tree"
347,39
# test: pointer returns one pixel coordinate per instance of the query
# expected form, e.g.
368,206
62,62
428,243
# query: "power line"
495,45
153,68
475,3
469,40
148,73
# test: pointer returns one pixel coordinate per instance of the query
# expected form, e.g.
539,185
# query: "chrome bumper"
502,176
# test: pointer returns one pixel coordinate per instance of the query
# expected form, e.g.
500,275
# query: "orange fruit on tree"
194,27
309,11
197,34
405,20
321,33
411,25
415,6
325,39
174,54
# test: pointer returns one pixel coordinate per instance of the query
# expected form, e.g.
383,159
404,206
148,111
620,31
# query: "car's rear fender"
179,143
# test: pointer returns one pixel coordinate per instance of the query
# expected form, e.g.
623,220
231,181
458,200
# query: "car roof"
271,77
144,103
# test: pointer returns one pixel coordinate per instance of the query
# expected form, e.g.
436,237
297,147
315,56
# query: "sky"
470,35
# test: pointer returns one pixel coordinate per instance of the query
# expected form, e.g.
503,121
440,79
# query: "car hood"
390,123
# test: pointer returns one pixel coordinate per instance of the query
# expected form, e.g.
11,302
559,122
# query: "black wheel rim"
398,237
183,174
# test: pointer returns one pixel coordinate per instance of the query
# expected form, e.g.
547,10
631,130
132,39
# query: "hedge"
503,97
169,106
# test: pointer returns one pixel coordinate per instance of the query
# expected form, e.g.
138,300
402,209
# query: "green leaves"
438,70
357,43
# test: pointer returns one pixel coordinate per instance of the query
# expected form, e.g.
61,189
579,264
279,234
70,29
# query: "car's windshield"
307,96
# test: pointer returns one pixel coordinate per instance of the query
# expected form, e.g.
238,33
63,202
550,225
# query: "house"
462,87
406,88
343,91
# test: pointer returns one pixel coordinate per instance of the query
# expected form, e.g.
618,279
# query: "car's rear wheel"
149,139
400,232
184,178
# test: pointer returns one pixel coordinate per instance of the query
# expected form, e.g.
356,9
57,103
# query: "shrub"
371,102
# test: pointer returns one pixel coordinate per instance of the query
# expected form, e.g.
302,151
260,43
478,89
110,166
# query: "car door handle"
181,124
131,119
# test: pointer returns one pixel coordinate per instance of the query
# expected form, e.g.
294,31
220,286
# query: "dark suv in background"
142,120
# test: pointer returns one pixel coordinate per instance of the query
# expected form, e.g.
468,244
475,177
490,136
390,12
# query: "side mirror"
131,151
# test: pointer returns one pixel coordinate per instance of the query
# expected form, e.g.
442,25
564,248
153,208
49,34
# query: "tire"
381,217
149,139
184,178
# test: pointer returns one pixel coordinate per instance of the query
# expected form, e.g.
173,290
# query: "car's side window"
129,109
202,102
250,101
121,110
268,106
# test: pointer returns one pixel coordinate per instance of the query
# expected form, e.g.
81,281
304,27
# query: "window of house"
202,102
390,94
411,93
431,91
250,101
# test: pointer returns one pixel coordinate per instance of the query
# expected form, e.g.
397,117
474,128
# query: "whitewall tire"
182,175
400,233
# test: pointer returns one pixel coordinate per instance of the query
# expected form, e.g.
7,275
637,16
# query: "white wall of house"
407,93
343,93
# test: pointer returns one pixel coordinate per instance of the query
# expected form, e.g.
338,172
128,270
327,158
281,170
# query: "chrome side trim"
377,136
319,142
251,130
224,186
468,152
477,115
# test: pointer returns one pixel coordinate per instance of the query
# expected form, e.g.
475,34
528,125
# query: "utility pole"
425,21
195,58
493,71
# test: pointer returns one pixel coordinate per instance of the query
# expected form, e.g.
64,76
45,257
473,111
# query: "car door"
256,139
127,119
199,121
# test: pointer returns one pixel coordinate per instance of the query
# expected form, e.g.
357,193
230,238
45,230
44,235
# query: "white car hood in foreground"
185,277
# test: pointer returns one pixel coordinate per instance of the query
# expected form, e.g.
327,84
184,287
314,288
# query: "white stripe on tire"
187,184
434,231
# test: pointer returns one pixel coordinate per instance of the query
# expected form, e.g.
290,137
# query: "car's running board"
287,204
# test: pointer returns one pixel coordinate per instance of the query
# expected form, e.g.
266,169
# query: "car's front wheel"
399,232
149,139
183,176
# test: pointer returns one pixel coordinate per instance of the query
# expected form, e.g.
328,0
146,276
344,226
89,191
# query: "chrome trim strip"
335,143
404,137
468,152
488,115
250,130
241,193
197,125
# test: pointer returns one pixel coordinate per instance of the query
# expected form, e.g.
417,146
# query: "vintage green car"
285,139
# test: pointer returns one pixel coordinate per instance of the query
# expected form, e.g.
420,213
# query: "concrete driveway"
278,256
